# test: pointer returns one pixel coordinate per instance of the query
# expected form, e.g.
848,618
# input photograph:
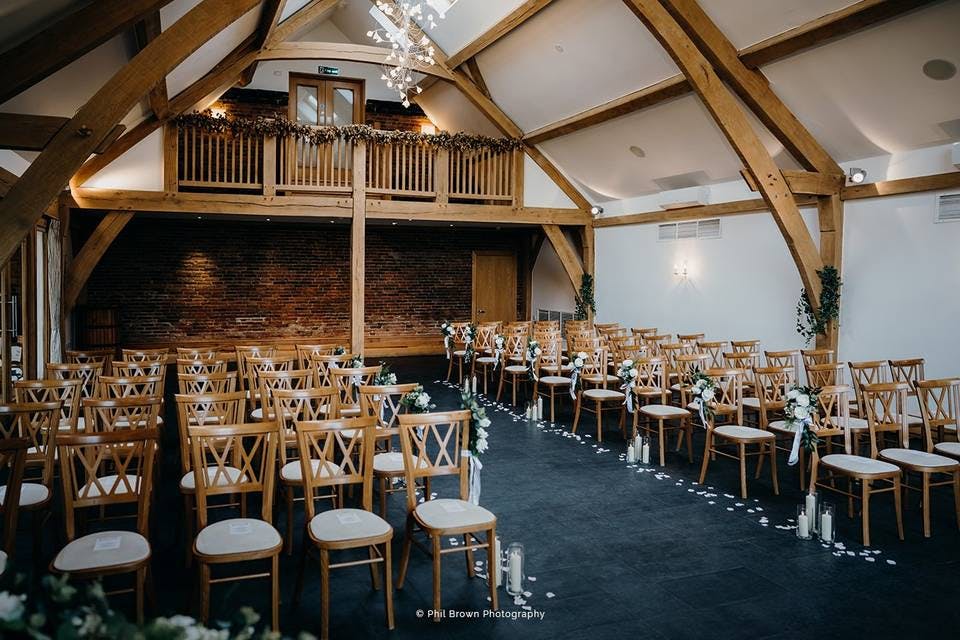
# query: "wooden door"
494,286
324,101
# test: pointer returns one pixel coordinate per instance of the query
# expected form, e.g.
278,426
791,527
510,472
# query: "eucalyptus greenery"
585,299
811,324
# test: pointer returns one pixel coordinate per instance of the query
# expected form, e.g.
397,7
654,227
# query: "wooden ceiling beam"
269,19
751,86
919,184
51,171
25,132
477,76
362,53
146,32
833,25
66,40
567,254
515,18
89,256
803,182
732,120
700,212
7,179
311,13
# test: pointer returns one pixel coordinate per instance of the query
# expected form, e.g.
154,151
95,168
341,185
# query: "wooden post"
358,232
517,186
441,175
269,171
830,212
171,177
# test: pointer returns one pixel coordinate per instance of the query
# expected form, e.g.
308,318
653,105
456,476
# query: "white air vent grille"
697,229
549,314
948,208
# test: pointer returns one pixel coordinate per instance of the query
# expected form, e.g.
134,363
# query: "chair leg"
383,497
743,470
688,427
599,422
773,468
449,367
435,543
138,591
324,594
760,460
188,529
405,554
513,388
275,592
706,457
576,415
926,504
374,572
956,495
469,555
897,506
492,562
553,396
660,443
500,386
289,536
204,593
388,583
865,511
803,464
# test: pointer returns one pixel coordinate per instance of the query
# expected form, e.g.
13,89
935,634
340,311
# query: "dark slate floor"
620,551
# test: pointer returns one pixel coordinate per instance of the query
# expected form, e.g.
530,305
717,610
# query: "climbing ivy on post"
585,299
811,324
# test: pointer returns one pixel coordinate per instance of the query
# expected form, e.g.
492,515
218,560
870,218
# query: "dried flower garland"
284,128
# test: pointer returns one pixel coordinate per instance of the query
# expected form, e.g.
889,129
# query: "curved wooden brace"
566,253
73,144
89,256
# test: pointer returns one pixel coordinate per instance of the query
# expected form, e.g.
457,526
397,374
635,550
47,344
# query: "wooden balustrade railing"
396,170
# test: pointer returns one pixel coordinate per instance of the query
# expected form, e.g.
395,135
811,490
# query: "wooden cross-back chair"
144,355
513,365
554,374
273,381
84,459
907,370
728,403
37,423
772,384
115,414
250,449
683,366
485,349
86,373
738,346
103,357
297,406
200,366
826,375
255,365
643,331
194,383
604,326
627,348
348,381
457,349
129,387
715,352
818,356
652,393
883,404
746,361
788,359
322,364
64,392
594,396
940,409
435,444
13,453
202,354
691,338
345,450
251,351
306,351
867,372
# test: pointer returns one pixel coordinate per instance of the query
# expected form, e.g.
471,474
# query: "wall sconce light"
428,129
680,270
857,175
218,112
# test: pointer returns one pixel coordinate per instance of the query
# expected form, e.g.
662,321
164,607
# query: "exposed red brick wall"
189,280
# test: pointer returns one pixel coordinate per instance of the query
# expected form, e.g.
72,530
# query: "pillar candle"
645,453
474,384
631,454
539,408
803,526
516,573
826,527
810,506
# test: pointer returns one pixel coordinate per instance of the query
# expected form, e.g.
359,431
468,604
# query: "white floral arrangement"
533,352
576,370
417,401
469,336
354,363
384,377
478,442
448,331
799,411
499,346
628,375
704,390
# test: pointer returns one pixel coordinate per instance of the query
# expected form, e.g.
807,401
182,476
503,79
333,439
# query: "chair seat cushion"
782,426
739,432
564,368
859,464
338,525
445,513
596,378
31,493
237,535
603,394
102,550
554,380
918,459
486,360
517,368
753,403
391,462
257,414
293,471
663,411
228,476
460,352
951,449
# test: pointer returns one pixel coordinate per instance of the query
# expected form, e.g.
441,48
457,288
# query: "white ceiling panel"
746,22
450,111
467,20
21,19
572,56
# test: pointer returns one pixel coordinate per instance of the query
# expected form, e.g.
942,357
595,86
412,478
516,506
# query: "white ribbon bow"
795,448
573,383
628,394
475,467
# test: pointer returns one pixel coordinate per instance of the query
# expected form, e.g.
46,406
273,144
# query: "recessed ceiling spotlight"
939,69
558,47
637,151
857,175
268,219
394,223
596,210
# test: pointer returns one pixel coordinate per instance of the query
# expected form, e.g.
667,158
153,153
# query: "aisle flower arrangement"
470,337
478,441
354,363
628,376
800,409
417,401
575,373
533,352
447,330
385,376
499,346
704,390
339,350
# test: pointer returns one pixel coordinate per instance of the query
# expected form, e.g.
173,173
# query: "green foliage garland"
810,324
283,128
585,298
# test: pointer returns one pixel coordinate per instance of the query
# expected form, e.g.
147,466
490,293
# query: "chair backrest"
271,381
251,351
546,325
515,341
200,366
867,372
643,331
132,387
93,356
789,359
459,338
690,338
105,469
65,392
653,343
336,453
13,453
383,403
578,326
832,417
939,406
651,375
687,364
120,414
746,361
144,355
551,353
294,406
234,459
826,375
627,348
486,333
322,364
715,350
728,397
86,373
37,423
433,444
349,381
193,383
205,409
208,354
772,384
307,351
818,356
907,370
132,369
885,407
745,345
257,365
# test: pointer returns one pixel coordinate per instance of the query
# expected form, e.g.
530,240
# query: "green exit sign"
329,71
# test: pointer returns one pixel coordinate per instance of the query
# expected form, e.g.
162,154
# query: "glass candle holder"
515,569
828,526
811,502
803,523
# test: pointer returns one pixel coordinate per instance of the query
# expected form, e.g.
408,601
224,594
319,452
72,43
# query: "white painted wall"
551,286
140,168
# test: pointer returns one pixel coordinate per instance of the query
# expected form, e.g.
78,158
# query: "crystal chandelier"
410,48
